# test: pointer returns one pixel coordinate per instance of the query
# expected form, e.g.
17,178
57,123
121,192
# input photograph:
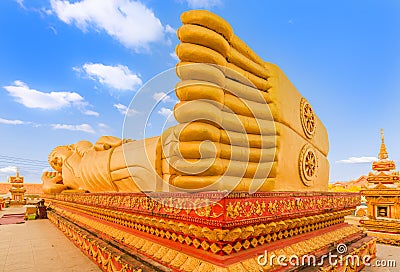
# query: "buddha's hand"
52,177
52,183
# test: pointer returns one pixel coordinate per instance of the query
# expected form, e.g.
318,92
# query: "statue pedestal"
17,202
240,232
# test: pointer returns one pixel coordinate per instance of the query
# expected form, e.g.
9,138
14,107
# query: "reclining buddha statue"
102,167
242,126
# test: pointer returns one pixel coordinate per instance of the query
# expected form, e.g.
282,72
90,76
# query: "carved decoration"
307,117
214,240
308,164
262,208
109,261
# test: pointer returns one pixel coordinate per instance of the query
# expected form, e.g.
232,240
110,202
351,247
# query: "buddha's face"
56,162
58,156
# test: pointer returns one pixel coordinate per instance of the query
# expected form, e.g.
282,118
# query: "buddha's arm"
134,164
107,142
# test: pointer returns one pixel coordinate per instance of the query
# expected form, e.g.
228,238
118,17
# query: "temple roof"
383,154
16,179
383,169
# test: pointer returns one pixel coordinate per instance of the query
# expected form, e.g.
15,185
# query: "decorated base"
386,231
178,231
17,202
386,227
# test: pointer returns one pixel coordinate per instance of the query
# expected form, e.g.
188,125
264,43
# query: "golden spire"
382,152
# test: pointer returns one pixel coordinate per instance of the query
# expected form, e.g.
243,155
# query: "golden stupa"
384,169
17,189
383,199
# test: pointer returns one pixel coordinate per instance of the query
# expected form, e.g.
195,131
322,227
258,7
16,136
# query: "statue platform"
207,231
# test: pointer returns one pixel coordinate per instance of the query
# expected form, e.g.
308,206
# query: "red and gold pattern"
217,241
177,260
228,234
383,166
213,210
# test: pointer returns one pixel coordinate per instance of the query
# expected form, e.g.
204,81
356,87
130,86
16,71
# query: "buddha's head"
58,155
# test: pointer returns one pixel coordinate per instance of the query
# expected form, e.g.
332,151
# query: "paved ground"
385,255
18,209
37,245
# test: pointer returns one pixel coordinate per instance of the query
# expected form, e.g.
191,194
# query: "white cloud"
8,169
130,22
42,11
174,56
170,29
125,110
31,98
46,11
90,112
104,129
117,77
161,96
84,127
53,30
167,113
21,3
353,160
13,122
102,125
203,3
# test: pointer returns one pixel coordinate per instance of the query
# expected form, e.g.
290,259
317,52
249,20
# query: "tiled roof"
31,188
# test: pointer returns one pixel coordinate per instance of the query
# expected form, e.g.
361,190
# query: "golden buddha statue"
243,126
102,167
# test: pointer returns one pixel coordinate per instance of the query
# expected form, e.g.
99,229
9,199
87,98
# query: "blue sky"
69,69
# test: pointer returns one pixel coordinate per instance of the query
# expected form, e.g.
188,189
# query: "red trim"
284,205
220,259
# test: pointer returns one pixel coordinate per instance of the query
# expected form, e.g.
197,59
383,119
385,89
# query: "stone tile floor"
37,245
385,254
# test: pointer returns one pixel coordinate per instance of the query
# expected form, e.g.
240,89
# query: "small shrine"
383,199
17,188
